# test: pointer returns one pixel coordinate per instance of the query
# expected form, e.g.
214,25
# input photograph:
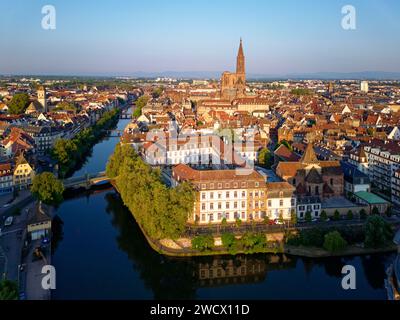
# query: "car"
315,220
9,221
278,222
271,222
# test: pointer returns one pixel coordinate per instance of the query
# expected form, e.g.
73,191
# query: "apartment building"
224,194
231,195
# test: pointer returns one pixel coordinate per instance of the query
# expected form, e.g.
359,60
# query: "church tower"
240,72
41,93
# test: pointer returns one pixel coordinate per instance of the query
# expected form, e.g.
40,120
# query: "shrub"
334,242
203,243
350,215
228,240
336,215
377,232
363,214
308,216
324,216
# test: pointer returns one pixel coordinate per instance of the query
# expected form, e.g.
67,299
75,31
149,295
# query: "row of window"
310,207
227,195
228,185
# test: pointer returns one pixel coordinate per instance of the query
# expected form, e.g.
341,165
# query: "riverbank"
182,248
70,154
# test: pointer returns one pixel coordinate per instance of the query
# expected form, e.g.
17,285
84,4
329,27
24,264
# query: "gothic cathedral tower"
240,72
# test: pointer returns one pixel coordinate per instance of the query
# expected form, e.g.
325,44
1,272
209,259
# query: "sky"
121,37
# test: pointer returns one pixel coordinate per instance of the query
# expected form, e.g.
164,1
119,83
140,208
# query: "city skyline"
279,39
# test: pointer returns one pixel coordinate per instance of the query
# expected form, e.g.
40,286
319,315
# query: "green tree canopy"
324,216
334,242
265,158
377,232
161,211
140,103
8,290
47,188
18,103
203,243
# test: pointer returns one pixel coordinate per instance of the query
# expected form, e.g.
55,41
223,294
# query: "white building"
364,86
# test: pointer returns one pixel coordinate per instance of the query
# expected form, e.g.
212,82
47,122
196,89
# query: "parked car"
278,222
271,222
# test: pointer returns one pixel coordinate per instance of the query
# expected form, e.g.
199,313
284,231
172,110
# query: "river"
100,253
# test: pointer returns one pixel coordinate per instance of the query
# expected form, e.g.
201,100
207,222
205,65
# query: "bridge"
114,133
85,181
125,115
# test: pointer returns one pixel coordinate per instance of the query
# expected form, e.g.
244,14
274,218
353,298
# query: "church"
233,85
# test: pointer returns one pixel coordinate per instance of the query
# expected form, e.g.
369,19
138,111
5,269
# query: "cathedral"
233,85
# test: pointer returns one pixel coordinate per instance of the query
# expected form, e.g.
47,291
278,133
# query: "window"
203,186
243,194
316,189
203,195
331,182
203,206
293,202
227,194
203,217
281,203
212,195
235,205
235,194
211,206
257,184
243,204
227,205
219,205
269,203
219,185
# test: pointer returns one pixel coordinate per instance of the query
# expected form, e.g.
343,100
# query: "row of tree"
68,153
161,211
376,233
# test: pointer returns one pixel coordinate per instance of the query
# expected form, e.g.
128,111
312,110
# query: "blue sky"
95,37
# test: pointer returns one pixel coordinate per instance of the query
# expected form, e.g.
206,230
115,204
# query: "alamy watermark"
49,19
349,279
349,20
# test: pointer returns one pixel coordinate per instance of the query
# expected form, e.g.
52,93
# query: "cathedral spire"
240,59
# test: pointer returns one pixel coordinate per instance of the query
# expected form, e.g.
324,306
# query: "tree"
203,243
293,217
375,211
18,103
336,215
228,240
224,223
140,103
334,242
363,214
280,219
161,211
47,188
308,216
265,158
377,232
266,219
8,290
350,215
324,216
389,211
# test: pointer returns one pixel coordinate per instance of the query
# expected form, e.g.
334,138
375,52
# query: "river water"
100,253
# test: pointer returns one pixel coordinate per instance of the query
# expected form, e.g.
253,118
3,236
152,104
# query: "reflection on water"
103,255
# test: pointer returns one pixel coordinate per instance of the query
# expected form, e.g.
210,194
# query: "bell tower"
41,93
